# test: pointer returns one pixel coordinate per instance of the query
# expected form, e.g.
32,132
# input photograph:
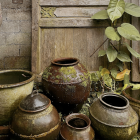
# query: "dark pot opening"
114,101
65,61
77,121
12,78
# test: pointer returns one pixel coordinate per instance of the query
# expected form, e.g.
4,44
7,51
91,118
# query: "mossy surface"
47,73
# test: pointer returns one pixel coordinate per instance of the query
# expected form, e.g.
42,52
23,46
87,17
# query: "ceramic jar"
113,118
77,127
66,81
36,118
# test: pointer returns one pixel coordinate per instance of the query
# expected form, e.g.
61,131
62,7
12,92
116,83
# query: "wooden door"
63,28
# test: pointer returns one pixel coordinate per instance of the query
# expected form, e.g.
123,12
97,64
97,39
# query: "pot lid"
34,102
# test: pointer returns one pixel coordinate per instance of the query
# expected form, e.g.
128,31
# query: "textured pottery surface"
66,81
113,118
14,86
36,118
77,127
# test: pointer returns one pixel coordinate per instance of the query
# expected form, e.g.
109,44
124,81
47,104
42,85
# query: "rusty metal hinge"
17,1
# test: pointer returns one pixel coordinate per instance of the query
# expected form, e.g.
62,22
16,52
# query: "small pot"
77,127
36,118
113,118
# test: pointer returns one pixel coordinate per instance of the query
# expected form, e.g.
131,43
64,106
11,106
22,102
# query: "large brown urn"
36,118
77,127
67,82
113,118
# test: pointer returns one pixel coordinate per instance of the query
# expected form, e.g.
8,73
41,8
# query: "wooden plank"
93,43
35,9
135,46
71,22
61,12
73,2
47,47
80,44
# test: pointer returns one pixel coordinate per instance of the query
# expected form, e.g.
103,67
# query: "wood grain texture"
135,45
77,11
71,22
74,2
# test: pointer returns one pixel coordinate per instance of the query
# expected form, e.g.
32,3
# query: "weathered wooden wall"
63,28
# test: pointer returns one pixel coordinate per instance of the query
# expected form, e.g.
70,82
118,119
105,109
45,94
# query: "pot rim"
116,95
20,83
111,125
63,59
78,115
129,97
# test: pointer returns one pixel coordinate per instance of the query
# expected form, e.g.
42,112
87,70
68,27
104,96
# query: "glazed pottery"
113,118
67,82
134,98
36,118
14,86
77,127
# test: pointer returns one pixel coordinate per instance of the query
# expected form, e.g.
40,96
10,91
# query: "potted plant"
116,33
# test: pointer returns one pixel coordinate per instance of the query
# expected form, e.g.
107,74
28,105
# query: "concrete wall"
15,35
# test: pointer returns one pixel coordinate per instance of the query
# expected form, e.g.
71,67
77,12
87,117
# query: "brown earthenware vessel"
66,82
36,118
113,118
77,127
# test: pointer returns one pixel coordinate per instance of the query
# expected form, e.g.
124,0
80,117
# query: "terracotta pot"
77,127
134,98
15,85
36,118
113,118
66,81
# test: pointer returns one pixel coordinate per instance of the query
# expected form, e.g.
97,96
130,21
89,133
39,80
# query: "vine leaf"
121,75
133,52
115,9
112,34
104,71
107,80
111,54
114,73
132,9
128,31
135,86
101,53
100,15
122,56
120,66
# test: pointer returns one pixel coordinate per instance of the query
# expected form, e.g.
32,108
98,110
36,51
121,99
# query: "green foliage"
115,9
112,34
133,52
122,56
101,53
111,54
120,66
100,15
114,73
132,9
107,80
128,31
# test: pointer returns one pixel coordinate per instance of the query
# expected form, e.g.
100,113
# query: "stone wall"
15,35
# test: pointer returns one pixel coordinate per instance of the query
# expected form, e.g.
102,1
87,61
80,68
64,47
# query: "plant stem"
99,47
114,46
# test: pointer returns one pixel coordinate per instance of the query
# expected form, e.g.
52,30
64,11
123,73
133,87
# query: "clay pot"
67,82
77,127
15,85
36,118
113,118
134,98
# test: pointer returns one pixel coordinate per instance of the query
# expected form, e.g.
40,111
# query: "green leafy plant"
108,79
115,32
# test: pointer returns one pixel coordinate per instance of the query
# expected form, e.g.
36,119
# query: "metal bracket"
17,1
